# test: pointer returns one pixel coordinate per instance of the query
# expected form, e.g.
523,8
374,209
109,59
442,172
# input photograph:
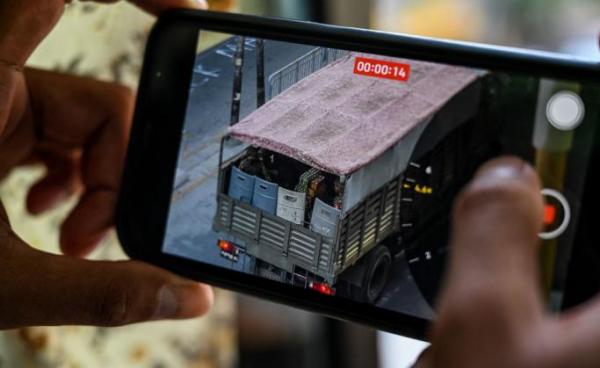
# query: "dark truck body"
374,182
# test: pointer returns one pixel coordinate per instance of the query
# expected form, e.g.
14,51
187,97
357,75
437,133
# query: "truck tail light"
227,247
322,288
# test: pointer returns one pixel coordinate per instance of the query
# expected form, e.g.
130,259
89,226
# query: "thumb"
492,282
40,289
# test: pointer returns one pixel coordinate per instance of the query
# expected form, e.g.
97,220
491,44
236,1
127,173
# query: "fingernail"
507,168
168,303
198,4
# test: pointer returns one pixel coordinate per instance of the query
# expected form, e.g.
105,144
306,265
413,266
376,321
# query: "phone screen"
335,171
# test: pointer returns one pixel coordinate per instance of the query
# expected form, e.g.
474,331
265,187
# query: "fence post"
238,63
260,72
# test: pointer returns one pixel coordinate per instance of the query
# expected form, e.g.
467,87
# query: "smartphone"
316,165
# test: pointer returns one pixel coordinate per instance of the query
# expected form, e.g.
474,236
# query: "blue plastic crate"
241,185
265,195
324,219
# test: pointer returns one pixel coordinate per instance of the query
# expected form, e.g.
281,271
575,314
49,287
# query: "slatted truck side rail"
274,240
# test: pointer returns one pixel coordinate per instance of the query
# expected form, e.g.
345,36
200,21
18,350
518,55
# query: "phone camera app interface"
335,171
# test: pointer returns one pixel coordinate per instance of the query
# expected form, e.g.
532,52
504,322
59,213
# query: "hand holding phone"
78,128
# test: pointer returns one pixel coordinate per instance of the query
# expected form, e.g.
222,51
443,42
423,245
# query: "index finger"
158,6
493,277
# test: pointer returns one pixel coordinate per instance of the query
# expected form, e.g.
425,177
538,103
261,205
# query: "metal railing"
301,68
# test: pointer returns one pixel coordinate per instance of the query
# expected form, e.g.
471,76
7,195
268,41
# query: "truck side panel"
368,224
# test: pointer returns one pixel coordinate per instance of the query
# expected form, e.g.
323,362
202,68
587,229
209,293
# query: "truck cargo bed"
286,245
275,240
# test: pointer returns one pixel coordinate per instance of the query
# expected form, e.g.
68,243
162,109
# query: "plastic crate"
265,195
324,219
241,185
291,205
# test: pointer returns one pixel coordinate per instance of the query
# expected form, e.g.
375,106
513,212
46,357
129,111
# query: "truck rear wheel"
378,266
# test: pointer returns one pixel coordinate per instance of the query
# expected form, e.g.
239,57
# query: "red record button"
549,214
557,214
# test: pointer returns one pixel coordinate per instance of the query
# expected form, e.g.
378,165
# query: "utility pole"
260,72
238,64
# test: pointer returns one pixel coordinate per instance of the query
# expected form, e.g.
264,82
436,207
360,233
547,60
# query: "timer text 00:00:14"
382,69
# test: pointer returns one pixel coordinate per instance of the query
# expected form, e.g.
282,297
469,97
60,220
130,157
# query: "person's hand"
78,128
491,312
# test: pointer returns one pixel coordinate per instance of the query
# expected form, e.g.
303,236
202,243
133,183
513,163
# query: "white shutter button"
565,110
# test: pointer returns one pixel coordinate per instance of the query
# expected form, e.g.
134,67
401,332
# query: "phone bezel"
159,116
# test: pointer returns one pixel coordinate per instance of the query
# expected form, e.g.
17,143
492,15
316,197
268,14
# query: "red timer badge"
382,69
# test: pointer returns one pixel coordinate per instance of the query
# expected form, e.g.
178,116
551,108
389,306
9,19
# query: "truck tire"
378,265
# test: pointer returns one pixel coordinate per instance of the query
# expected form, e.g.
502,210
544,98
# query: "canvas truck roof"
338,121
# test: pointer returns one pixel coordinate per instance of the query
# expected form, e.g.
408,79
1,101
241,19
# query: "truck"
324,185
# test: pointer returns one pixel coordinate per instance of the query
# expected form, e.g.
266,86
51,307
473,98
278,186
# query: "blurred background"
107,42
570,26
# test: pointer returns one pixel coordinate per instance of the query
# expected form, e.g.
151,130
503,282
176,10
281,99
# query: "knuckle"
129,300
124,302
113,306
